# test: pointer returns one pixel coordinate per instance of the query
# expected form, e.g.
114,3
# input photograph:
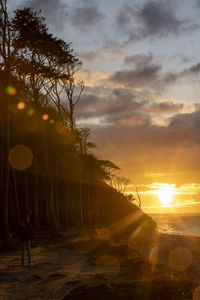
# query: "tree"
118,182
40,56
5,74
138,196
131,198
5,40
72,94
65,92
29,57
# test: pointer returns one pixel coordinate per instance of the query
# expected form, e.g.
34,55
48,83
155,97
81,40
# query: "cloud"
166,107
145,76
148,149
122,106
143,73
92,56
138,59
159,19
86,15
198,3
189,123
155,19
193,70
82,14
55,11
112,106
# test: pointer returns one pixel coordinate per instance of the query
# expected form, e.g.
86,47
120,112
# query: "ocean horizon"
178,224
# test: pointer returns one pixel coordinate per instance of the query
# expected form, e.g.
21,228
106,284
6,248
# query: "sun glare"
165,195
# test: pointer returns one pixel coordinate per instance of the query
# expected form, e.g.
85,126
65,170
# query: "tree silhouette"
46,162
40,56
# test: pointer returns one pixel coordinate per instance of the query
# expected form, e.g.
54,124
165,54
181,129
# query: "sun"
165,195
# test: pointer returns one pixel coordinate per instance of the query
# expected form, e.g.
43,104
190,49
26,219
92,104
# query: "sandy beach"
84,268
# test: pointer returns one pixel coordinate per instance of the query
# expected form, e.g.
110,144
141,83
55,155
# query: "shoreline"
179,224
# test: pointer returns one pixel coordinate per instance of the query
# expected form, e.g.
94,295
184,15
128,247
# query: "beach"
85,267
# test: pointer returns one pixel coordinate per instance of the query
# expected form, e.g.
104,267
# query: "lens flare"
20,157
45,117
154,256
10,90
21,105
31,112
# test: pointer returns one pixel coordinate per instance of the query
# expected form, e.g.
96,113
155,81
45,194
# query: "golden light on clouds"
163,194
168,198
95,78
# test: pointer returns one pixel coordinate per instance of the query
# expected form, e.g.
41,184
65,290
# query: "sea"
178,224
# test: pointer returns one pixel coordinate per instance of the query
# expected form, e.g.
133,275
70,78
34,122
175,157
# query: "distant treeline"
46,165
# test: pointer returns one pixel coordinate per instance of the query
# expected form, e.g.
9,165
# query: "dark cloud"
116,105
82,14
198,3
55,11
145,76
143,73
193,70
138,59
159,19
189,123
155,19
123,107
86,14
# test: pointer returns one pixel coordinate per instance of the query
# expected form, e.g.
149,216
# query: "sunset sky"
141,69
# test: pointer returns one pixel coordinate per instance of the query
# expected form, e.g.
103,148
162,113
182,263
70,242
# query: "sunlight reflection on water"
178,225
